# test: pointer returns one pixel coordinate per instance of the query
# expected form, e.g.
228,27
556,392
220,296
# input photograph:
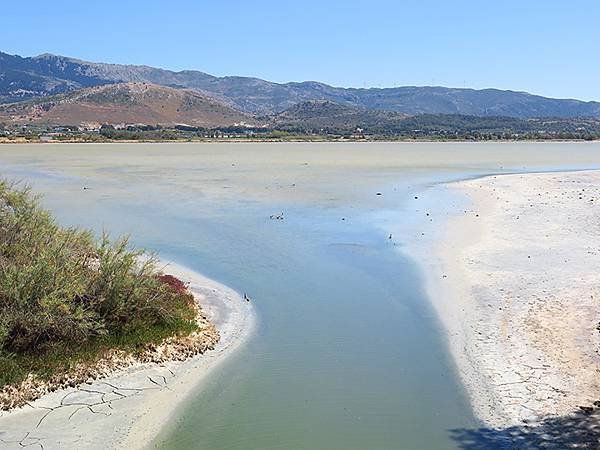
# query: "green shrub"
63,292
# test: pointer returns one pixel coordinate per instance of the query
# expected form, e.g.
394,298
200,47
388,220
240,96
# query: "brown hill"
133,103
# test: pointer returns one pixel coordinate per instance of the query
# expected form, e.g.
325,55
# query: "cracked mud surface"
520,294
58,415
127,409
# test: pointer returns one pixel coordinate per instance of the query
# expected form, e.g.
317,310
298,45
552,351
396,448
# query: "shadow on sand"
580,429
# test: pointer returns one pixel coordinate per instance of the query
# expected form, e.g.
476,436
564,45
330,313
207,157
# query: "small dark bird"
246,297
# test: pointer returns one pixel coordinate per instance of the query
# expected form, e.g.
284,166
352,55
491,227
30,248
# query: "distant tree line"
354,125
455,126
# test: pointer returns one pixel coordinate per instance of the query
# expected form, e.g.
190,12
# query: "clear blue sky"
549,47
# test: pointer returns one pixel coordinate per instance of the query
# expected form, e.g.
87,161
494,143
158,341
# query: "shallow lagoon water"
348,353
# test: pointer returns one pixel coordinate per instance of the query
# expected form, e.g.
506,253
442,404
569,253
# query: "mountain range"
30,78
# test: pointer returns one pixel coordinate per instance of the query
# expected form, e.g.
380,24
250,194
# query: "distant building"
358,133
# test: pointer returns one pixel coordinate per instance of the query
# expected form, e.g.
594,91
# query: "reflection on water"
348,353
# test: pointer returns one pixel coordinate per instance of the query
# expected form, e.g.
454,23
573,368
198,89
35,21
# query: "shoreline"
137,401
304,141
509,266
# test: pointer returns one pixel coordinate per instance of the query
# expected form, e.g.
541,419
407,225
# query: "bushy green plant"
61,290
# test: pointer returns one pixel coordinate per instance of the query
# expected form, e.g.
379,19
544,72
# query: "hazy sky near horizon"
546,47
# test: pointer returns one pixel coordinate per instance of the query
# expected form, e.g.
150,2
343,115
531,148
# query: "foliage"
389,124
328,121
138,133
62,291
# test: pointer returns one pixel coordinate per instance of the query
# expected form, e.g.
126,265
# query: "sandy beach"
128,409
513,274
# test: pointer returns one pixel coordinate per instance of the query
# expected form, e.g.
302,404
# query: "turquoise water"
348,353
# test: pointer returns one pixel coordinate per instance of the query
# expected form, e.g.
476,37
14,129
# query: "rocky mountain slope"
27,78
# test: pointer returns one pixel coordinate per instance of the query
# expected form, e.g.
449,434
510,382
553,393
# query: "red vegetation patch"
173,282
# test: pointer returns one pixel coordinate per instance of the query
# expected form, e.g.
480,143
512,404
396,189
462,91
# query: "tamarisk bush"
62,291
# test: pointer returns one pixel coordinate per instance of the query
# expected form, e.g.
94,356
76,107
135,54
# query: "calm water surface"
348,353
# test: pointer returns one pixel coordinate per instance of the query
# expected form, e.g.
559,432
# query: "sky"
549,47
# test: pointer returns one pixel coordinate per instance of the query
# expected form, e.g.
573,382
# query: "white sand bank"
514,274
128,409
